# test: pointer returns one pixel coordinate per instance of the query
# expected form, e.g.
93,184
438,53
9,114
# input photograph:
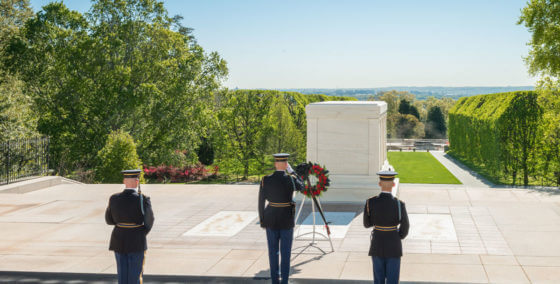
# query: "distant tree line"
408,117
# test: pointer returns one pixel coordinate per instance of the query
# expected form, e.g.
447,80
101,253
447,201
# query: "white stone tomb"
349,139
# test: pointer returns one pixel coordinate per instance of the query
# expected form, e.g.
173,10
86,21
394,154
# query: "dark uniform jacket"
278,188
124,207
382,210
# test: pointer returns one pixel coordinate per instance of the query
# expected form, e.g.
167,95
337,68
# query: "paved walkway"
460,171
471,234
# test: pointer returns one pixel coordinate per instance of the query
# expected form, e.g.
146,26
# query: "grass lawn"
420,167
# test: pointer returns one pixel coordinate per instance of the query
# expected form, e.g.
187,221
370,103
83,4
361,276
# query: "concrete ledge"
34,184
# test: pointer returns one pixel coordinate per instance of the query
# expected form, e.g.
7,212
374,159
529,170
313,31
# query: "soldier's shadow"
305,255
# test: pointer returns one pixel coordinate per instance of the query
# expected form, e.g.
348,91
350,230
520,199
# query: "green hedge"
499,134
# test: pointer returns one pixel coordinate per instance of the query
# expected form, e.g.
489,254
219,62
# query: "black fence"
23,158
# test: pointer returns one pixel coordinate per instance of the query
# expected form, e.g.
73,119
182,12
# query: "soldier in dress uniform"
131,213
385,212
278,216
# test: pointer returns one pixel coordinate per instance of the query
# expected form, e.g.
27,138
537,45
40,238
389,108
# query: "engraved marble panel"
223,224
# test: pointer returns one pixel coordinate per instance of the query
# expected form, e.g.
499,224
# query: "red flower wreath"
322,176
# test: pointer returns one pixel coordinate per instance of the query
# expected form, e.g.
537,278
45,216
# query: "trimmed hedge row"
499,134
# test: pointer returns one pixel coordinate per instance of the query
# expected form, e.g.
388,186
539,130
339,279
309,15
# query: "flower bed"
167,174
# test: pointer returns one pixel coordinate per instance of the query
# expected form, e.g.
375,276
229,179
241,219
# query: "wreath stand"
313,242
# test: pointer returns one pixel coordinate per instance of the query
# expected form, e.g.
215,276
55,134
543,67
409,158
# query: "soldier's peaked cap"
131,173
387,175
281,157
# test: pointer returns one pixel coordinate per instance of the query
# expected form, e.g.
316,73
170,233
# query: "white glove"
289,169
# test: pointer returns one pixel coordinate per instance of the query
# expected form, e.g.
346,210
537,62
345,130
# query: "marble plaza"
459,233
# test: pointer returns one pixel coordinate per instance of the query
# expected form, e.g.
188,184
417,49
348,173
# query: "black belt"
129,225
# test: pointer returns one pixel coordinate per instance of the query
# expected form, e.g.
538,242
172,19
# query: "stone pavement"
463,173
469,234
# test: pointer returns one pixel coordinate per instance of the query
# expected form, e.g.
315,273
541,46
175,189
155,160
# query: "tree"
406,108
13,15
542,20
243,119
408,126
118,154
17,119
435,123
392,99
124,65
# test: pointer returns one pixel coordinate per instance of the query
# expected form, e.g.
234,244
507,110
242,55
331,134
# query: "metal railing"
23,158
416,144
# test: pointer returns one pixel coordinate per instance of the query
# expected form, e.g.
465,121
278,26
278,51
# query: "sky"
358,44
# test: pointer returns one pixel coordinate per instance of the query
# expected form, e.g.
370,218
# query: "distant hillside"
420,92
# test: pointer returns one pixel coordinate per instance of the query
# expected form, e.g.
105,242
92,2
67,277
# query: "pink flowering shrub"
165,173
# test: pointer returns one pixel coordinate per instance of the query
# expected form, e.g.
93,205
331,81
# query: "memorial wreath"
321,174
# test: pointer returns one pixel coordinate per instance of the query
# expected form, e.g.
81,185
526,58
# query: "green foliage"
407,126
242,118
550,144
501,134
123,65
406,108
119,153
205,152
435,125
253,124
17,119
399,103
542,20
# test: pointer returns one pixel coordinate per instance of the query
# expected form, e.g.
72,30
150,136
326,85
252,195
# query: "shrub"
119,153
165,173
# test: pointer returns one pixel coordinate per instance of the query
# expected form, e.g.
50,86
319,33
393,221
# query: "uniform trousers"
130,267
279,241
386,270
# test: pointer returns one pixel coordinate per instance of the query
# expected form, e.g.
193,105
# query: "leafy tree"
435,125
408,126
119,153
243,118
124,65
13,15
392,99
406,108
542,20
17,119
284,135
